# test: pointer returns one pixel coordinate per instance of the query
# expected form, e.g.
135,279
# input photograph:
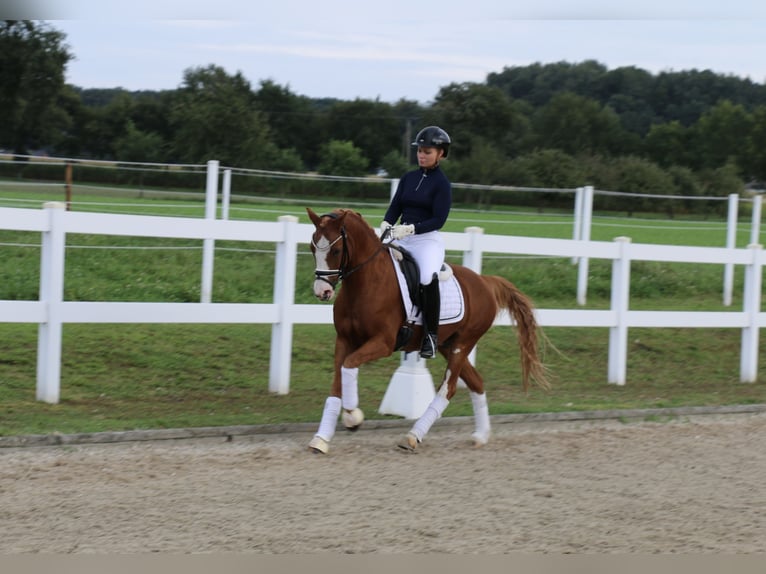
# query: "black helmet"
433,136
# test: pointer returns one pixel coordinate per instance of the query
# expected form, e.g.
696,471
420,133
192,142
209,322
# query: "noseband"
342,271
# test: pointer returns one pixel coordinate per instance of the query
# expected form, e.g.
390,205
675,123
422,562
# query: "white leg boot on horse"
423,424
321,441
352,415
481,418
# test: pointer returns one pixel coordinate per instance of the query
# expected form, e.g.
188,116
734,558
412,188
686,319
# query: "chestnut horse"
369,314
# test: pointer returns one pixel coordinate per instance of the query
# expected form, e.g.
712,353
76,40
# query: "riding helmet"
433,136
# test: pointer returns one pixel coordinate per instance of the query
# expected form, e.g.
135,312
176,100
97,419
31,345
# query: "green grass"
119,377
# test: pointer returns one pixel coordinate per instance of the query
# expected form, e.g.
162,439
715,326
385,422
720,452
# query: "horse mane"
343,213
354,221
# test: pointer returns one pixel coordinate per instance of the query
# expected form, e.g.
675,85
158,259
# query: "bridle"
342,271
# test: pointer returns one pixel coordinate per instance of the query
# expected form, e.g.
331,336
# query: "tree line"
557,125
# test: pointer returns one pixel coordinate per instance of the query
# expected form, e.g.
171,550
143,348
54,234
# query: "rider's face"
428,157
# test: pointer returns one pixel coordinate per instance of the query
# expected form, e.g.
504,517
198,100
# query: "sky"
393,49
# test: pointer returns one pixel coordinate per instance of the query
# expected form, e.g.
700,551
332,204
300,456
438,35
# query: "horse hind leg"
437,406
475,384
421,427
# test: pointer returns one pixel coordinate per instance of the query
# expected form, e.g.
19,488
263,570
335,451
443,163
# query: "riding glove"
400,231
384,226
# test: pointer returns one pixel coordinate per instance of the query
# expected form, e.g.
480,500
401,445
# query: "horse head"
338,248
328,246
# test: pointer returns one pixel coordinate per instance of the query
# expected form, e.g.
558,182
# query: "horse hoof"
409,442
352,419
480,439
318,445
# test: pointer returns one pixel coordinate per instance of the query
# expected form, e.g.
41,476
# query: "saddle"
410,270
409,283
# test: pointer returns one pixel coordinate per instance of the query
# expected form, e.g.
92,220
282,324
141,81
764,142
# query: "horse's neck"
369,256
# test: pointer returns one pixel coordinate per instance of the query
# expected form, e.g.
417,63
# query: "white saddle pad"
452,304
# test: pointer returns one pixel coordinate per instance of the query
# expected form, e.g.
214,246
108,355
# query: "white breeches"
428,251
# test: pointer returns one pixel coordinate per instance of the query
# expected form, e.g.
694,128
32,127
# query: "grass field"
118,377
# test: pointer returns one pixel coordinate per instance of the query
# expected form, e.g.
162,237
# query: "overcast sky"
394,49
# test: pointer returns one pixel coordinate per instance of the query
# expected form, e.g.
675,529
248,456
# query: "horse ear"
315,219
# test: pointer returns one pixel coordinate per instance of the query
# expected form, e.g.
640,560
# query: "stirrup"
428,348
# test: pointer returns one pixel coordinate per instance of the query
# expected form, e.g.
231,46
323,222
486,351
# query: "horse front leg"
439,403
344,394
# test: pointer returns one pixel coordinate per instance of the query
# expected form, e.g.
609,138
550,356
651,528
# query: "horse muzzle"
323,290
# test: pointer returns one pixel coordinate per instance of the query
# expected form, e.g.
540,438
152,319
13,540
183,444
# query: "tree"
478,114
294,123
370,125
539,83
670,144
215,117
627,90
139,146
342,158
642,177
551,168
578,125
754,156
33,60
394,164
722,134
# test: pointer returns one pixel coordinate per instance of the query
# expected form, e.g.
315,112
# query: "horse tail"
530,335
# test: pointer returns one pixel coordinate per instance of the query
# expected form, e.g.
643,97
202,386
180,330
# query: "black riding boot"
430,306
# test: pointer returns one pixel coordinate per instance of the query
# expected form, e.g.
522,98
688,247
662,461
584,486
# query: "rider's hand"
400,231
384,226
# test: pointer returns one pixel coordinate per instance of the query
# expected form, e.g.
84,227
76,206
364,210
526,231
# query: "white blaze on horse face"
322,289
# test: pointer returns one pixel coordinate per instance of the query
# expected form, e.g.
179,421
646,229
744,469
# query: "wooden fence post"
68,185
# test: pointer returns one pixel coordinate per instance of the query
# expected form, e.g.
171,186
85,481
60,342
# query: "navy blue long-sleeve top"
423,198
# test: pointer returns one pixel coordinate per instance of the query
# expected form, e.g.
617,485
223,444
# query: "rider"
423,200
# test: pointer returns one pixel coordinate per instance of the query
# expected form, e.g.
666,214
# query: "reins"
341,272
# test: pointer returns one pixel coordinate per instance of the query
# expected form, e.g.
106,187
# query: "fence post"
618,334
68,184
577,227
748,366
582,269
284,297
52,294
731,243
226,194
755,225
394,185
208,245
472,258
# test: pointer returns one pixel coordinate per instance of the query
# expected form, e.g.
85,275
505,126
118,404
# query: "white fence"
51,311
